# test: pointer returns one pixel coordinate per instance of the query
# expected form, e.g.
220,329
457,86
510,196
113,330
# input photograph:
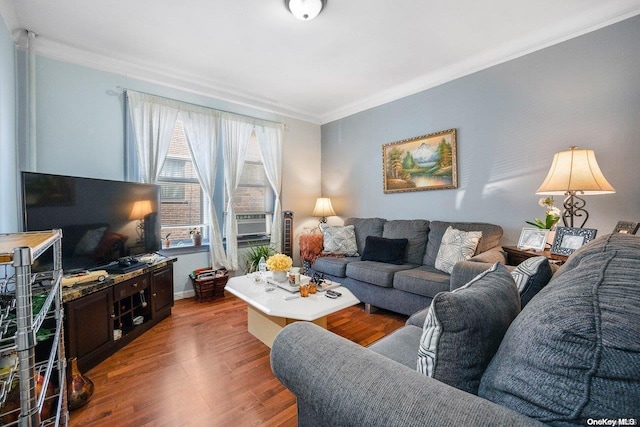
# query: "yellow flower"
279,262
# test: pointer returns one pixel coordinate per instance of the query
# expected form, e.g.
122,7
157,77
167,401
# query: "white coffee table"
269,312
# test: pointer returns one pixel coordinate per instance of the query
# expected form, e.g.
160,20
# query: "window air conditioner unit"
253,224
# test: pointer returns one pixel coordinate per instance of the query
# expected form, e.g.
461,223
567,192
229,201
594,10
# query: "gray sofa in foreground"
570,356
409,286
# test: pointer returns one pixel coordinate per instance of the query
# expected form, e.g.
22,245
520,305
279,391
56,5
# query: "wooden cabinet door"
162,291
88,326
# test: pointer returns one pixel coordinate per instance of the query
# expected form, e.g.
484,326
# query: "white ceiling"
355,55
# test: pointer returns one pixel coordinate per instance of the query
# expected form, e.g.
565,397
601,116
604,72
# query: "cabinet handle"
155,294
113,316
135,285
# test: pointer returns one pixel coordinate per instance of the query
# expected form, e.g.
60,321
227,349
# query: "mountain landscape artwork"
425,162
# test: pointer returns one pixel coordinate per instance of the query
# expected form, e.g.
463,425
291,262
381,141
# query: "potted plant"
165,241
196,237
253,255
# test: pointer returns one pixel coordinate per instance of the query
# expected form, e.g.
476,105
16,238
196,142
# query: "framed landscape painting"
425,162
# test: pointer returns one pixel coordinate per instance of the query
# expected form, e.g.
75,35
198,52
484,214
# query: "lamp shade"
575,170
305,10
323,207
141,208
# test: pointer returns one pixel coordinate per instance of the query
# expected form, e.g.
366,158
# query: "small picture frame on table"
533,239
570,239
626,227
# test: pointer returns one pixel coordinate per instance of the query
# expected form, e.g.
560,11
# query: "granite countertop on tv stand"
74,292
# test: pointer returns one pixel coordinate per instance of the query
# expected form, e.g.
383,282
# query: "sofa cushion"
463,328
380,249
365,227
456,245
339,239
424,280
400,345
333,266
574,353
491,235
531,275
416,230
375,273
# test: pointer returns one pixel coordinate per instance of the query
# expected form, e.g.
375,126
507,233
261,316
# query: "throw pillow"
456,245
463,328
89,242
530,276
386,250
339,239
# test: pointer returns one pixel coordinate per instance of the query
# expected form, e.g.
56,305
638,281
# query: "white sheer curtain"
152,119
235,139
271,142
201,131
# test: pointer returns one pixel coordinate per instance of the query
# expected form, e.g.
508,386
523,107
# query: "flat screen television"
101,220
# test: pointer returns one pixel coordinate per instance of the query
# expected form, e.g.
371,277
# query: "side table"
515,256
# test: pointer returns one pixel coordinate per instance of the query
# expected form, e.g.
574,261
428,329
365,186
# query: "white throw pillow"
339,240
456,245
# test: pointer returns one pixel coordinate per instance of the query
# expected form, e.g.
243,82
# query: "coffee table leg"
265,327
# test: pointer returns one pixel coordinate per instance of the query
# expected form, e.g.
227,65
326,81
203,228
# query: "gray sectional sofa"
410,286
570,357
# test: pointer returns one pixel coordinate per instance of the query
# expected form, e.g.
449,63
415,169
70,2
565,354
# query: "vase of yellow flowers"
279,265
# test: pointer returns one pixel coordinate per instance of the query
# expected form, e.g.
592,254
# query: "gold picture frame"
427,162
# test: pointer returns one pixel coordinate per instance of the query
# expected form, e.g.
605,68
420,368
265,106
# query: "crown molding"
607,14
568,29
153,73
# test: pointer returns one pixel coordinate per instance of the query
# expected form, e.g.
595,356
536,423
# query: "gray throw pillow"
464,328
339,240
531,275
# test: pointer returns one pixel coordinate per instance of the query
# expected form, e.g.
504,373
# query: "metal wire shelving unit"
31,319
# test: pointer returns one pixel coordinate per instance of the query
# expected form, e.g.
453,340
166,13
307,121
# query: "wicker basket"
209,288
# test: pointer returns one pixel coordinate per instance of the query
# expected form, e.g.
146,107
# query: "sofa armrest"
418,318
339,383
464,271
491,256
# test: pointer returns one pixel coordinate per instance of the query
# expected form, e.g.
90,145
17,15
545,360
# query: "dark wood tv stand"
94,310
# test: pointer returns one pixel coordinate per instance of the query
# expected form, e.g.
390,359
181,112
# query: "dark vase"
80,388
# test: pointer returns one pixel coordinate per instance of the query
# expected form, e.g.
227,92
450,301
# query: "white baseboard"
184,294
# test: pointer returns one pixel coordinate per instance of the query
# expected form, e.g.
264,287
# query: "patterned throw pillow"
456,245
464,328
339,239
531,276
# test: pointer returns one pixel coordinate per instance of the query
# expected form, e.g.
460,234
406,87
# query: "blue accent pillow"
381,249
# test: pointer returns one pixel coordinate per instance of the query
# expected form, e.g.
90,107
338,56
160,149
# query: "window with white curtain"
254,198
160,151
182,203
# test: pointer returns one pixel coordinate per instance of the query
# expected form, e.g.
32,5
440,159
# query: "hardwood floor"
201,367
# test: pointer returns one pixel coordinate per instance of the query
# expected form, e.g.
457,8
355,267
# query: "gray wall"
8,183
511,119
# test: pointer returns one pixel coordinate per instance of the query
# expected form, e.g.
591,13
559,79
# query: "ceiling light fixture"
305,10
